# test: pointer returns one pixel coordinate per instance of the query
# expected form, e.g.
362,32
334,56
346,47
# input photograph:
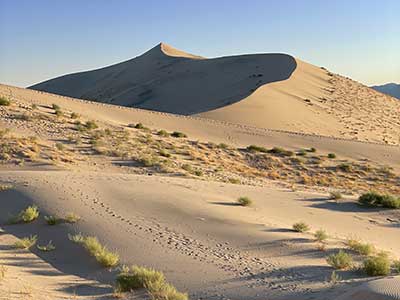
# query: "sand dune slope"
264,90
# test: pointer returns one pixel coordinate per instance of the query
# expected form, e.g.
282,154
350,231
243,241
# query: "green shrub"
60,146
345,167
340,260
331,155
379,200
301,152
91,125
55,106
312,150
178,134
244,201
154,281
321,235
163,133
301,227
396,266
4,102
72,218
378,265
139,126
255,148
47,248
164,153
360,248
96,249
74,115
27,215
59,113
52,220
26,243
223,146
335,196
281,151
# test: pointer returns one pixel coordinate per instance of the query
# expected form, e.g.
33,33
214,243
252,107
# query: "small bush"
55,106
379,200
340,260
255,148
331,155
378,265
164,153
244,201
91,125
74,115
26,243
301,152
223,146
345,167
47,248
59,113
321,235
163,133
312,150
234,180
178,134
360,248
52,220
60,146
396,266
301,227
335,196
4,102
72,218
96,249
27,215
281,151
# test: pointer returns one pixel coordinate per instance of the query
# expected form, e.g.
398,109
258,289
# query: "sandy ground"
190,228
274,91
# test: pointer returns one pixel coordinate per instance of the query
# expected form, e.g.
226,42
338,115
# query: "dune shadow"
225,203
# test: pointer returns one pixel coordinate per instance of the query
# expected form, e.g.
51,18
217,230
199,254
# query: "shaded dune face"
185,84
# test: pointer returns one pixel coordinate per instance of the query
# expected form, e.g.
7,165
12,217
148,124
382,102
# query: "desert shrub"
345,167
4,187
223,146
335,195
301,152
60,146
27,215
280,151
46,248
340,260
301,227
396,266
91,125
59,113
198,172
72,218
360,248
331,155
187,167
255,148
3,271
244,201
55,106
321,235
379,200
52,220
149,161
154,281
234,180
74,115
312,150
164,153
4,101
378,265
163,133
105,257
26,243
334,278
178,134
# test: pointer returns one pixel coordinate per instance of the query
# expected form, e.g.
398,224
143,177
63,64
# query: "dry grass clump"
321,235
335,195
375,199
281,151
3,271
244,201
47,248
255,148
301,227
178,134
340,260
5,187
361,248
163,133
396,266
154,281
378,265
72,218
4,101
105,257
27,215
52,220
25,243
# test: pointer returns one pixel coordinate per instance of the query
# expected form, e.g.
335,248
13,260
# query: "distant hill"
391,89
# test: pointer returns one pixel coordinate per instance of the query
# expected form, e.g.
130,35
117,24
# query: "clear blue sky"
41,39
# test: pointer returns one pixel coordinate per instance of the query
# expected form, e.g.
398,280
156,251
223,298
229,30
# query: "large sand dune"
273,91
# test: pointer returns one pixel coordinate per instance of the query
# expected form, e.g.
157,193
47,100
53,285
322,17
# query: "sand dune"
274,91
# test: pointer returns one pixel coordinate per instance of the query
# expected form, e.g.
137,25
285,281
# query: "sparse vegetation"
244,201
335,195
26,243
396,266
378,265
46,248
178,134
321,235
74,115
4,101
55,106
341,260
154,281
4,187
345,167
359,247
375,199
72,218
27,215
255,148
52,220
331,155
3,271
335,278
281,151
105,257
163,133
301,227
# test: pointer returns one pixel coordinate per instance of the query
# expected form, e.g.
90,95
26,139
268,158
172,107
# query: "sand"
274,91
186,225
